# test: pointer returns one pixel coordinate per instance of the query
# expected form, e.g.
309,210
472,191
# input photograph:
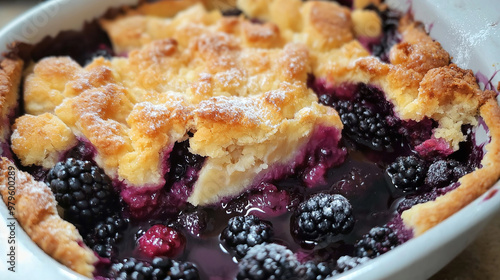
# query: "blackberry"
314,271
407,173
391,36
346,263
83,190
268,261
181,159
363,125
321,216
377,242
159,268
103,238
443,172
242,233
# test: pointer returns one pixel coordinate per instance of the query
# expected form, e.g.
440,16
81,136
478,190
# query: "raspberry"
321,216
407,173
443,172
346,263
377,242
159,268
363,125
103,238
268,261
313,271
83,190
242,233
161,240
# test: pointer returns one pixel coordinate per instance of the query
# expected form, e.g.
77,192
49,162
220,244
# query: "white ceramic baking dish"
468,30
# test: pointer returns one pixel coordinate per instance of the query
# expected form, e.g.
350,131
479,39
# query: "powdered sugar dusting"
233,110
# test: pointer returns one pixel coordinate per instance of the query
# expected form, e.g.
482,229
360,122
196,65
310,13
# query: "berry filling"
380,47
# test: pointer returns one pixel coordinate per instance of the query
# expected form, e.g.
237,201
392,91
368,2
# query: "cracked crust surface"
36,212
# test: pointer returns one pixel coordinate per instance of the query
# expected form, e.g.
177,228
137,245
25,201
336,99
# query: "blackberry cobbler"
284,139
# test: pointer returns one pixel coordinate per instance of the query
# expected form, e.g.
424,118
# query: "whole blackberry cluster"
244,232
363,125
377,242
159,268
268,261
83,190
407,173
443,172
315,271
321,216
346,263
103,238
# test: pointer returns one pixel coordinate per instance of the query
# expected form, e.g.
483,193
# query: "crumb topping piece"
10,79
53,138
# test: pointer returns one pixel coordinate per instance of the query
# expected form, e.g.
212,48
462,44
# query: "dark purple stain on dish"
491,194
430,27
390,35
487,83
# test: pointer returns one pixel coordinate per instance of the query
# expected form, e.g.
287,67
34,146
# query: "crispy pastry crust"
10,79
36,212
